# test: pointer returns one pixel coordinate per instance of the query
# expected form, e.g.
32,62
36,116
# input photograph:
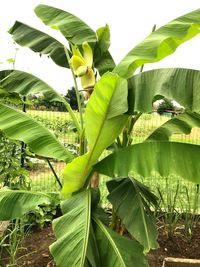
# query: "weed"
168,210
190,214
12,241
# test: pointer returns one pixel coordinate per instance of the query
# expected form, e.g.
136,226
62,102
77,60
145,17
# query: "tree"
116,102
165,105
71,97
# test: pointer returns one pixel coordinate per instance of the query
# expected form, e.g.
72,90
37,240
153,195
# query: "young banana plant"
119,97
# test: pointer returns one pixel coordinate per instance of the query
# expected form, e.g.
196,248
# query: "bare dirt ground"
35,252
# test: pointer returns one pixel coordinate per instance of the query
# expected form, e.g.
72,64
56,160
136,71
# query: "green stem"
126,137
133,121
23,145
15,56
83,144
74,118
153,28
114,220
76,89
119,142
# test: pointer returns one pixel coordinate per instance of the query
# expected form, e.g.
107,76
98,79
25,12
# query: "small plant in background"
40,216
190,213
169,213
12,174
11,241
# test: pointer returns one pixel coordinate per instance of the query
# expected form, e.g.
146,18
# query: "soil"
35,249
177,245
35,252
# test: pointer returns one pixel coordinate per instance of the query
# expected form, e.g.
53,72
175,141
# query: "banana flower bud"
82,65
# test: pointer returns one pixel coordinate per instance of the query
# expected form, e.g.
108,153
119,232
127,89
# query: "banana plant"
85,235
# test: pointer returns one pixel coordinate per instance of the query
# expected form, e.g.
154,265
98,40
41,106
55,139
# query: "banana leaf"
181,85
181,124
72,231
103,62
130,195
76,32
104,121
74,29
18,125
103,35
160,43
23,83
150,159
39,42
116,250
15,203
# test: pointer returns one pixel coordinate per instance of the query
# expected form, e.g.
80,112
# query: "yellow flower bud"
77,62
87,54
80,71
88,80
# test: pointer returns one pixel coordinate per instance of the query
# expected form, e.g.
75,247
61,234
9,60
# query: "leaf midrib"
101,226
87,228
142,212
91,152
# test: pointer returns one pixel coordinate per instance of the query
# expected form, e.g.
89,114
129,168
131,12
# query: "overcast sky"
129,21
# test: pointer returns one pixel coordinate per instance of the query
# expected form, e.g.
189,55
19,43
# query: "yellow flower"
82,65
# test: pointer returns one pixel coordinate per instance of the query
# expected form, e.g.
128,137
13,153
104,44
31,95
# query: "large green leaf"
103,35
104,115
178,84
11,97
181,124
160,43
74,29
104,121
129,195
15,203
40,42
117,251
103,61
154,158
19,126
72,231
75,174
26,84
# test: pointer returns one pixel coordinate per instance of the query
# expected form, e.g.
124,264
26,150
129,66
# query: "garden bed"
35,253
177,246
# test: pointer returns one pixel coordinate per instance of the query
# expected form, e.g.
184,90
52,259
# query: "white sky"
129,21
